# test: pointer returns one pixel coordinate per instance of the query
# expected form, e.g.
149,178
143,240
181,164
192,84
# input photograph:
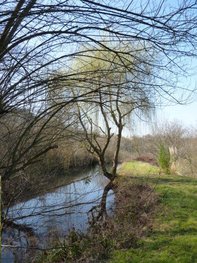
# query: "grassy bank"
155,221
173,237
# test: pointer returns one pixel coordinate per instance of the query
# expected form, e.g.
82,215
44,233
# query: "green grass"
138,168
173,238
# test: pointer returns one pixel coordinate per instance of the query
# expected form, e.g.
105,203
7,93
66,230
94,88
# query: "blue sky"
185,114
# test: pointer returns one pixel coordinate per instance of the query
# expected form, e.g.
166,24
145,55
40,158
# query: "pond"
53,214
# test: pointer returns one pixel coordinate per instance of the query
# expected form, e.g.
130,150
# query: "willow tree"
116,84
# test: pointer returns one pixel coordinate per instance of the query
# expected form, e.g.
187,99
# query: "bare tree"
180,141
40,37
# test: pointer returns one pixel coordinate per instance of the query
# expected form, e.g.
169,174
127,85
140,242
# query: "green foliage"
138,168
164,158
111,72
173,238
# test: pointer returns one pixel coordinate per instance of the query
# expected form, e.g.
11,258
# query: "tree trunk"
116,155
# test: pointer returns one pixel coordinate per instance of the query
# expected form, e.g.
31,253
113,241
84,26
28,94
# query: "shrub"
164,159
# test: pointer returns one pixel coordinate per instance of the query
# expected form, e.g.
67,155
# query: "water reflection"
56,212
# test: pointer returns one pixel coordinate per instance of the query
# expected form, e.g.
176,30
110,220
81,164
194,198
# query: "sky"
185,114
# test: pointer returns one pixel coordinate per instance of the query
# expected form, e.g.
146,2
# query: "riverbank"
173,236
155,221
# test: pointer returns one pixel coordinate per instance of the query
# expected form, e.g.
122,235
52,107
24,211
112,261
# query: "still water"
54,214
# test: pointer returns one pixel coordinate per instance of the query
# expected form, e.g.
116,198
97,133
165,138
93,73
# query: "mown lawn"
174,234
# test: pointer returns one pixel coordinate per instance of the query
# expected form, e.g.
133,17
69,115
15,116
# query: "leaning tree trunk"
103,204
101,210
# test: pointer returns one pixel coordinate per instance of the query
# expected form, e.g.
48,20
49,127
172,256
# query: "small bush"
164,158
